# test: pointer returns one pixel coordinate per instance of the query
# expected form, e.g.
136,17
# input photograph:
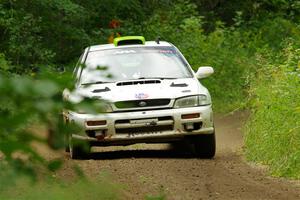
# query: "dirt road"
164,169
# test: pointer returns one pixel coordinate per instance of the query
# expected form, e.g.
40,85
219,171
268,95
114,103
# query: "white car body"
150,117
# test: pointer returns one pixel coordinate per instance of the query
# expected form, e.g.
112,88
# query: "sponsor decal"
142,96
124,52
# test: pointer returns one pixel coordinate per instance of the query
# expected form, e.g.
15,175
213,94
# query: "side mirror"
204,72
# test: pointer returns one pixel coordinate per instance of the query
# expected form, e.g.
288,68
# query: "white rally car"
148,93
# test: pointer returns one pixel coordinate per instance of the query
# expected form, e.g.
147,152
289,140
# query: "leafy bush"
24,102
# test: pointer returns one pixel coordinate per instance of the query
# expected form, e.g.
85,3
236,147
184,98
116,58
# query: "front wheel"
205,145
78,149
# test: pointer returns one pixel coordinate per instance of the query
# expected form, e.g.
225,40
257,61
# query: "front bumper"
143,126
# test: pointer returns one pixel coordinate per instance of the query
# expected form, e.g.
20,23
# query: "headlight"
192,101
204,100
93,106
104,107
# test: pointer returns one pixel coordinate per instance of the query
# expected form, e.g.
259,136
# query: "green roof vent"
129,40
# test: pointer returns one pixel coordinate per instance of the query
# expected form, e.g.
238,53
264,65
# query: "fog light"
189,126
100,135
96,123
190,116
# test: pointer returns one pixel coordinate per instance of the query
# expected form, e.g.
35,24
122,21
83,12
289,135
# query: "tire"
205,145
78,150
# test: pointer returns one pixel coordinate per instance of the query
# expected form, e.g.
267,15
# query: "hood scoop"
179,85
139,82
106,89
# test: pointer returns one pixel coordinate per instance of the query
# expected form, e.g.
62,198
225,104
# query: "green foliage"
41,32
251,10
27,102
3,63
273,132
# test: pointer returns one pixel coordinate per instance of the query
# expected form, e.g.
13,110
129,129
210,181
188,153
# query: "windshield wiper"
161,78
97,82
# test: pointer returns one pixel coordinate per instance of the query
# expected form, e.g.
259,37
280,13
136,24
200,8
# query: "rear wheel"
205,145
78,149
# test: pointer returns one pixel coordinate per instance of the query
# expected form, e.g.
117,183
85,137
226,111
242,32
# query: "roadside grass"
273,131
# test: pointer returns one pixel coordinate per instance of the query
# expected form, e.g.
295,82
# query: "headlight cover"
105,107
92,106
192,101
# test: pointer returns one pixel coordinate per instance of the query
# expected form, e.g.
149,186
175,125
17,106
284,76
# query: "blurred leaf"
45,88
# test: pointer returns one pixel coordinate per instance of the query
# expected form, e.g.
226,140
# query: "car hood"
142,89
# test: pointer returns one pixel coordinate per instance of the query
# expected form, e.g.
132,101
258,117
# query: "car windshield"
134,63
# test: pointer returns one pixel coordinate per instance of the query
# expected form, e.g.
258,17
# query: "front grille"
143,125
145,130
127,121
142,103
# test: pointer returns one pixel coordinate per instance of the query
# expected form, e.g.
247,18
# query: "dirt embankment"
172,170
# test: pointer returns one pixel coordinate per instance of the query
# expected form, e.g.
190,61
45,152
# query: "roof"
147,44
